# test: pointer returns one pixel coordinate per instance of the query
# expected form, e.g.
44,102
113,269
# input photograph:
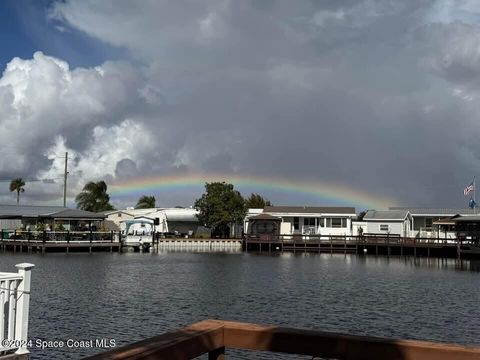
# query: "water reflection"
132,296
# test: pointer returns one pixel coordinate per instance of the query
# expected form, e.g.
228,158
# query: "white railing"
309,230
14,305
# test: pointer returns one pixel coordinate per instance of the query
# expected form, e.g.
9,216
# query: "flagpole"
474,200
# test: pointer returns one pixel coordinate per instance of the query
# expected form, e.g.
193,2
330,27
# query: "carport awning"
74,214
46,212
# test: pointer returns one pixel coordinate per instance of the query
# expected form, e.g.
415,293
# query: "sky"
378,98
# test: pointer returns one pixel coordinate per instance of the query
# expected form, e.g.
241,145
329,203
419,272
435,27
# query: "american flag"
468,189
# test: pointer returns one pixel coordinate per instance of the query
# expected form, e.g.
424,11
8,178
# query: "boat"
138,234
471,249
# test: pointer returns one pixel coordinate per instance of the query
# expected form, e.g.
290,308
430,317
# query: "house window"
384,227
119,215
320,222
309,221
418,223
296,223
428,222
336,222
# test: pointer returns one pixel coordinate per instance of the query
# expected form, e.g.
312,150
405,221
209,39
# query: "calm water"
131,296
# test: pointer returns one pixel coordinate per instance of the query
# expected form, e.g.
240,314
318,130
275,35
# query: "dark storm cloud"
375,95
125,169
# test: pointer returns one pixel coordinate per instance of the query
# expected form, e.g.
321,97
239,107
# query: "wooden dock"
64,241
371,244
58,246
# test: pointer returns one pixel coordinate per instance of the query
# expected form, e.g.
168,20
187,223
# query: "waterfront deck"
66,241
367,244
212,337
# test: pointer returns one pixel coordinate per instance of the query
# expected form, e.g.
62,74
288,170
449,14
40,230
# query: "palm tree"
17,185
94,197
145,202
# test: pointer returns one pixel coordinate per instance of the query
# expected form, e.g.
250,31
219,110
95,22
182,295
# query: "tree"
94,197
361,215
145,202
220,206
256,201
17,185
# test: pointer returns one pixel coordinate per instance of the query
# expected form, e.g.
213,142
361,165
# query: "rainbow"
326,193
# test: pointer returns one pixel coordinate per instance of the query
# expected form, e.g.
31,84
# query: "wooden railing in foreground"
213,336
14,307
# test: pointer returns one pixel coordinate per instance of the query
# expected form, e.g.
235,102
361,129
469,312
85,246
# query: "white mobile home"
168,220
313,220
422,220
388,222
120,216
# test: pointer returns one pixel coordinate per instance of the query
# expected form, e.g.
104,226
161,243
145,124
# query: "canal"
131,296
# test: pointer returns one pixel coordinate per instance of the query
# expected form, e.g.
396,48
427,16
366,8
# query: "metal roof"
434,212
385,215
468,218
310,209
76,214
57,212
9,211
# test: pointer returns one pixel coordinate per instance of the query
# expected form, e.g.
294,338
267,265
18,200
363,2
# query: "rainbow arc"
325,192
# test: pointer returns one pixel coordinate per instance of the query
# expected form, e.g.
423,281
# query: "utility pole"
65,182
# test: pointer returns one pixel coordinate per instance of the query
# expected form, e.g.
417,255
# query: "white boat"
139,233
473,249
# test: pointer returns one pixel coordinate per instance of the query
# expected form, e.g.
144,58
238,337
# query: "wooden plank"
339,346
212,336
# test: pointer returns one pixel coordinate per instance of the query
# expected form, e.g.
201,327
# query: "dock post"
458,249
22,306
217,354
415,247
331,245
